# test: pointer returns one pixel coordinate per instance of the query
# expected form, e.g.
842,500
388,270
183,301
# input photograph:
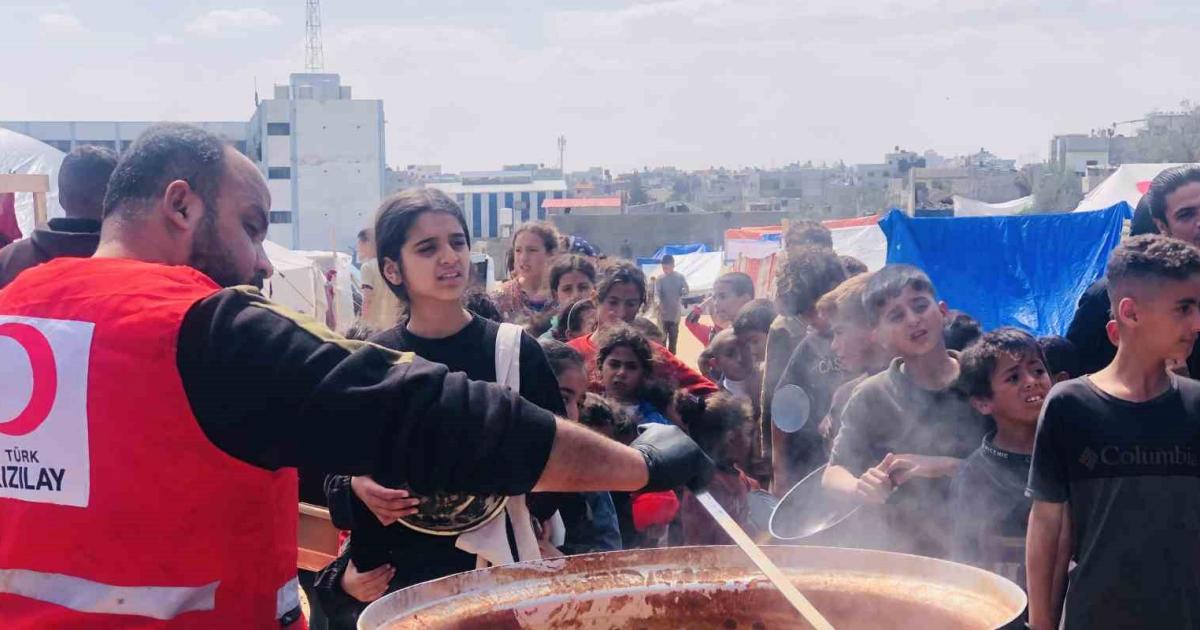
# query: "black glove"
672,458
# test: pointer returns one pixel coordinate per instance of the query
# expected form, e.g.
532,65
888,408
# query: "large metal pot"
706,587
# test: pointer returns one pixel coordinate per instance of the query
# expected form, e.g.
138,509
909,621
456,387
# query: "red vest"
115,509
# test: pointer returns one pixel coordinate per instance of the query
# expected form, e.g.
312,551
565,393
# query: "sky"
473,84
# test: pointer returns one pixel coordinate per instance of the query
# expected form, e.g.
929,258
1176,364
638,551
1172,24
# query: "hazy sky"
472,84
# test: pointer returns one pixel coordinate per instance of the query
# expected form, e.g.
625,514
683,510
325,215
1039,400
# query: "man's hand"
388,505
905,467
875,486
672,458
369,586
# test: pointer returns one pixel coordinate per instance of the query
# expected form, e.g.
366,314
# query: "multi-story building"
321,150
497,201
1076,152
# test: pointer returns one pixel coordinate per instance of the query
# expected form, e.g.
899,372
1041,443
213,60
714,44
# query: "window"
279,172
281,216
279,129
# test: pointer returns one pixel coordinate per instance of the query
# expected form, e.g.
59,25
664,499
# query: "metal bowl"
451,514
706,587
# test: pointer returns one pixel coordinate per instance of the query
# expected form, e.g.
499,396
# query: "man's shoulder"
15,258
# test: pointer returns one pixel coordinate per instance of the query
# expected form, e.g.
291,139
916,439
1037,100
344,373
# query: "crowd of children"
994,448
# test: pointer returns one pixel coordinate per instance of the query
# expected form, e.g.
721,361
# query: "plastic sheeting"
1024,271
23,155
965,207
680,250
298,282
700,269
1128,183
859,237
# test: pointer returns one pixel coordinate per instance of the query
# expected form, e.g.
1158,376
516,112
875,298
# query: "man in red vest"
151,420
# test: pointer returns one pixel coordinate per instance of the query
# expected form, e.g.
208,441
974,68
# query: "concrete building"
321,151
584,205
497,201
113,135
1076,152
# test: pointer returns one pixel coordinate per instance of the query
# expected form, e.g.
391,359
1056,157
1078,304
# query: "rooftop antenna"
314,55
562,148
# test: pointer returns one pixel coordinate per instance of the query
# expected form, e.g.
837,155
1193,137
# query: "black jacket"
62,237
1087,332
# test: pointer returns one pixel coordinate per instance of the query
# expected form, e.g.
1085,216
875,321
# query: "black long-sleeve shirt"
274,390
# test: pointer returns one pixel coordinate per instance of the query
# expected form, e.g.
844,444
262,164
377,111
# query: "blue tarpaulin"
674,250
1025,270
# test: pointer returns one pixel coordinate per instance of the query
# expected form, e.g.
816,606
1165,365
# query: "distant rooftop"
583,202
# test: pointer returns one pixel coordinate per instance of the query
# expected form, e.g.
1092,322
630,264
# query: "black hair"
600,414
754,316
807,233
852,265
624,335
806,275
1061,355
649,329
1147,258
480,303
740,283
365,235
617,273
83,180
722,414
560,356
978,361
887,283
570,318
395,218
569,263
1167,182
162,154
960,330
667,259
1143,221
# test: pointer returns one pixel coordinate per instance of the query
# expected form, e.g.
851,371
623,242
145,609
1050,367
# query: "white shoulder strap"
508,356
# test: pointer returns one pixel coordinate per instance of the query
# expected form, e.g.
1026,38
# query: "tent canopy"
858,237
965,207
23,155
1026,271
674,250
1128,183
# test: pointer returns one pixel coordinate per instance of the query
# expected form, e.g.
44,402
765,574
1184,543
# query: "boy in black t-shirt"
1005,374
907,429
1117,456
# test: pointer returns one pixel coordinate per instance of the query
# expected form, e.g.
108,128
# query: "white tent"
964,207
343,289
1128,183
700,270
298,282
23,155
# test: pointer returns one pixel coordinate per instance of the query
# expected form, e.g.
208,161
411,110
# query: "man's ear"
982,405
944,309
1127,310
181,206
1162,227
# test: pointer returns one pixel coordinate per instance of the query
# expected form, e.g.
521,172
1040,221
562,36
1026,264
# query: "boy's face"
1163,319
1183,214
756,346
851,344
1019,387
733,360
910,324
726,303
572,384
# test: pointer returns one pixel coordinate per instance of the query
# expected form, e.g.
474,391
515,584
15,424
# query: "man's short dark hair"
806,275
1143,222
961,330
162,154
1061,355
852,265
83,180
477,301
888,283
1166,183
755,316
1149,258
807,233
668,259
366,235
978,361
740,283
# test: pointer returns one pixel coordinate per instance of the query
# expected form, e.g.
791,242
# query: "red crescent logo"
45,378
